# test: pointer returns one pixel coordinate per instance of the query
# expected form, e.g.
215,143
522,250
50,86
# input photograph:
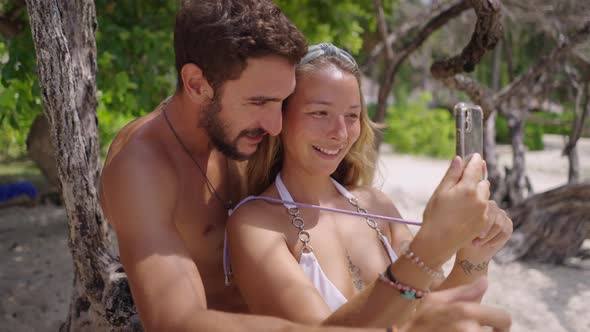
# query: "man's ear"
195,84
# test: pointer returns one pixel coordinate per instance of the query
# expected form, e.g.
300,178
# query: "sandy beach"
36,268
540,297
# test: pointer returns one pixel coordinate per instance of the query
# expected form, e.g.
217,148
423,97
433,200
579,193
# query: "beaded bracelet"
407,253
406,291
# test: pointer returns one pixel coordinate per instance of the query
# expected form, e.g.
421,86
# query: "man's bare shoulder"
141,170
128,135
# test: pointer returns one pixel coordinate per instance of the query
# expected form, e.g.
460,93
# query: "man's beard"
215,129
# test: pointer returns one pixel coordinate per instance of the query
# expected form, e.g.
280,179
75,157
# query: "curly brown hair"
220,35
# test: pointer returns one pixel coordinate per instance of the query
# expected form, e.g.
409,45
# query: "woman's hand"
453,310
456,213
491,240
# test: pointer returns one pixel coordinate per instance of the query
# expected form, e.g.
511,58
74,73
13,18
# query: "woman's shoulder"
374,200
369,194
258,212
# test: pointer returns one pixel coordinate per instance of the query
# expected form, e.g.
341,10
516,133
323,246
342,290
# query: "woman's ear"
195,84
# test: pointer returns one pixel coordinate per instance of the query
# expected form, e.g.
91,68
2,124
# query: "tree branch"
476,92
382,27
448,9
521,84
488,30
487,33
409,46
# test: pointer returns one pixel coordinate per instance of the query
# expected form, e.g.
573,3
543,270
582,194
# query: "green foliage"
136,63
135,70
20,99
135,55
341,22
533,134
416,129
553,128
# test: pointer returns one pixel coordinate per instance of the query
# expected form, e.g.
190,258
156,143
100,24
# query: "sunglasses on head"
327,49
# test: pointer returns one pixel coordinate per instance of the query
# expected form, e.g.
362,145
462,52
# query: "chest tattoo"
355,273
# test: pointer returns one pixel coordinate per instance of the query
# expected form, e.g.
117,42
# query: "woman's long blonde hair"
358,166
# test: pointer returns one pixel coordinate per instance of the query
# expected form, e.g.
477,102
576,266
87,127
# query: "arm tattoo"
355,273
468,267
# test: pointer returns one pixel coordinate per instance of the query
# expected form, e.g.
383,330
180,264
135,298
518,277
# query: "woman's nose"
339,131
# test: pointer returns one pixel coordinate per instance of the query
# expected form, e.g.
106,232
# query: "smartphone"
469,129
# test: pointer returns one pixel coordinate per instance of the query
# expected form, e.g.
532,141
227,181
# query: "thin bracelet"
409,254
391,329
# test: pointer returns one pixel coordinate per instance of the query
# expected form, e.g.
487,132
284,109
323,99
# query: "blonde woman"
316,267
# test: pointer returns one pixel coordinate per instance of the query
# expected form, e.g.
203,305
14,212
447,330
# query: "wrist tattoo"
468,267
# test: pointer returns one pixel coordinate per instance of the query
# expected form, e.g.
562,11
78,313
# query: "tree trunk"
517,183
574,166
63,33
581,111
489,133
549,227
491,158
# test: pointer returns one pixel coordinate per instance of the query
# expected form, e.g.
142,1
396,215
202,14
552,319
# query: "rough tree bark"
581,112
64,37
549,227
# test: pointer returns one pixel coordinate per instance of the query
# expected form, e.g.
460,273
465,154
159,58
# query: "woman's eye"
353,116
319,113
258,103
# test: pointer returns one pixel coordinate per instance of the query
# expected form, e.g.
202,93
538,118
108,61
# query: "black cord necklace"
226,204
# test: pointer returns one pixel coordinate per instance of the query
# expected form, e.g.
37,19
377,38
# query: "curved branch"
521,84
409,46
488,31
476,92
447,10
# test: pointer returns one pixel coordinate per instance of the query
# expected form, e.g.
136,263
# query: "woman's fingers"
490,234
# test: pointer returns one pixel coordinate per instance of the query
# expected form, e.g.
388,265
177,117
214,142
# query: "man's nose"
272,121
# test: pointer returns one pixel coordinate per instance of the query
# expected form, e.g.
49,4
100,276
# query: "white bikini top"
308,261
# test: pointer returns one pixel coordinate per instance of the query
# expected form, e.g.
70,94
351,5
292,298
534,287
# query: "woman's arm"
471,262
272,282
445,229
269,277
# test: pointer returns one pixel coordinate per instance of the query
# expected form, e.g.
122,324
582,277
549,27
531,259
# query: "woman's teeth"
327,151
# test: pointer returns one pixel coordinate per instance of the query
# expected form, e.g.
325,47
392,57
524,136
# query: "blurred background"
533,86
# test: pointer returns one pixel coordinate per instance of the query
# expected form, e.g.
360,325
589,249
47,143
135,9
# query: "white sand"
540,297
36,268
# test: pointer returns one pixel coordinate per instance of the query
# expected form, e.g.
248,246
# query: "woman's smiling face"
322,120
